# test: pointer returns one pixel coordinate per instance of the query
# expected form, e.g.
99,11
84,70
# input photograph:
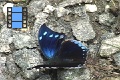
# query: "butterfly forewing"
49,41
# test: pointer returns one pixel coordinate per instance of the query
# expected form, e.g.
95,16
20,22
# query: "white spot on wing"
56,36
44,33
84,50
51,35
61,36
40,38
83,47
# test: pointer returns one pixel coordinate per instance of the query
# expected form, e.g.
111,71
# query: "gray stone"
37,6
8,69
35,75
44,77
91,7
2,67
75,74
61,11
106,19
22,40
11,67
73,2
107,35
5,39
31,75
49,9
117,58
2,77
111,78
19,39
19,77
82,29
93,50
77,10
25,58
110,46
80,10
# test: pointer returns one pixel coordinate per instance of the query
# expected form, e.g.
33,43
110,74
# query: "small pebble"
61,11
91,7
49,9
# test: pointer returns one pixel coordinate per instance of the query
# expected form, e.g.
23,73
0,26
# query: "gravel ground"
94,22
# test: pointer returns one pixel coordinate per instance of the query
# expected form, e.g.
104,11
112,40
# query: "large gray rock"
73,2
106,19
82,29
3,69
19,39
11,67
5,39
22,40
111,78
26,57
110,46
37,6
117,58
75,74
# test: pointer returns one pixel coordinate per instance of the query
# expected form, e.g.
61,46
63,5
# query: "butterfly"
58,51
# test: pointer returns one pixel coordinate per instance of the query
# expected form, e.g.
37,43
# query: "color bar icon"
17,17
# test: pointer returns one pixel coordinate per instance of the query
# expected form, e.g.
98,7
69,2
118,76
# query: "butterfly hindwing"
73,51
49,41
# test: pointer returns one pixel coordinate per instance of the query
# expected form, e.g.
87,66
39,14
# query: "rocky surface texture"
94,22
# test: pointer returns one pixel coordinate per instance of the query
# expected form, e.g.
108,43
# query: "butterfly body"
58,51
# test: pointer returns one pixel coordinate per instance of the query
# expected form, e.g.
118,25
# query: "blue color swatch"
16,9
16,24
16,17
